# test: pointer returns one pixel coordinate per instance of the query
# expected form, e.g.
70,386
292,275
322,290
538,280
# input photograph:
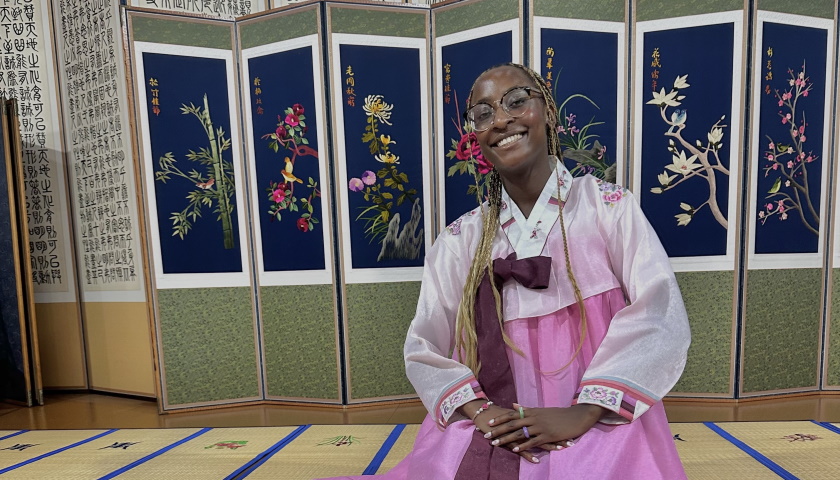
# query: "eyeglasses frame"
498,103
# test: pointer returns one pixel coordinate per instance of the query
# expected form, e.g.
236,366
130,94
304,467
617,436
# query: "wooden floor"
90,411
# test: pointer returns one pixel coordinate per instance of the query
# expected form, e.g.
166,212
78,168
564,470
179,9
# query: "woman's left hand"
545,425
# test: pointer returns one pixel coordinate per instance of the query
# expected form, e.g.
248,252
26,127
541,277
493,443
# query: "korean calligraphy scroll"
227,9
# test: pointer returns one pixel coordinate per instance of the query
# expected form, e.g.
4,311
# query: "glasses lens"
515,102
481,116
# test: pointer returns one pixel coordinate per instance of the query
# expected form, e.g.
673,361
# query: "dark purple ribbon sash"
482,460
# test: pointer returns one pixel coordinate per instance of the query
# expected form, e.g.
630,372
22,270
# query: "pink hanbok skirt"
641,450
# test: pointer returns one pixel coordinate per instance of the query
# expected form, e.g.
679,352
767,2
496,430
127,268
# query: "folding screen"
686,167
792,87
185,87
290,196
301,285
469,37
379,79
20,379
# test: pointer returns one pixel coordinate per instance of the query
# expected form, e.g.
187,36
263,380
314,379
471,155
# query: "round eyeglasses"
515,102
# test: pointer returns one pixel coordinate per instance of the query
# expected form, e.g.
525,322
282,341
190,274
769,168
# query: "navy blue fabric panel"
182,80
573,73
393,73
791,161
287,244
707,99
465,60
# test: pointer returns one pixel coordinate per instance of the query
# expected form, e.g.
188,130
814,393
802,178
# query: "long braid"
466,338
554,149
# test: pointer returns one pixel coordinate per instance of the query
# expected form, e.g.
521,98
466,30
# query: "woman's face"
513,145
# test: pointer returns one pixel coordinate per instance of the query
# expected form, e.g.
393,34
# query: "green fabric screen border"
278,27
300,350
207,357
458,18
377,320
832,349
811,8
659,9
367,21
191,33
781,330
604,10
708,298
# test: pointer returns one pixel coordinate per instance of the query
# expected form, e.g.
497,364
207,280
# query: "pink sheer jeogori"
643,449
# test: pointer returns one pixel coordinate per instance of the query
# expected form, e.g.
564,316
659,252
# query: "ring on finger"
525,431
521,412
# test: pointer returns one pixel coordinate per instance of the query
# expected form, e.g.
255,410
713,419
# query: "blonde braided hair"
466,338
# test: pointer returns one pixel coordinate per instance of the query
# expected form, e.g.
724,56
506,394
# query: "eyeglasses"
515,102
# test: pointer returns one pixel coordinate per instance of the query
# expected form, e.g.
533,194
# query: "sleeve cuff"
625,403
458,394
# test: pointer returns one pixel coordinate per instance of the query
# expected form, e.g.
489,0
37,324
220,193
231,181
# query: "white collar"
527,236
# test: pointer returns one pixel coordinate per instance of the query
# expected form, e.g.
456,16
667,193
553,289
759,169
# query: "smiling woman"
568,351
512,125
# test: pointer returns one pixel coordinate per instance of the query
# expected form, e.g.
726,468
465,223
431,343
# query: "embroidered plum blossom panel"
790,141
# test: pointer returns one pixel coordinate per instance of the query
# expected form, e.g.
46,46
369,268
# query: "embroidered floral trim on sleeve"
625,402
606,397
611,194
464,391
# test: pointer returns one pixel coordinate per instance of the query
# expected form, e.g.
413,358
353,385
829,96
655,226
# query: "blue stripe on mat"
825,425
383,450
49,454
263,457
13,434
773,466
152,455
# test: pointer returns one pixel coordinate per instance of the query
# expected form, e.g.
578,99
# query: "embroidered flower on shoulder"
564,179
611,193
454,228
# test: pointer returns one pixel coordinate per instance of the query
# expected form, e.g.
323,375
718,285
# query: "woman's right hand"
493,412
